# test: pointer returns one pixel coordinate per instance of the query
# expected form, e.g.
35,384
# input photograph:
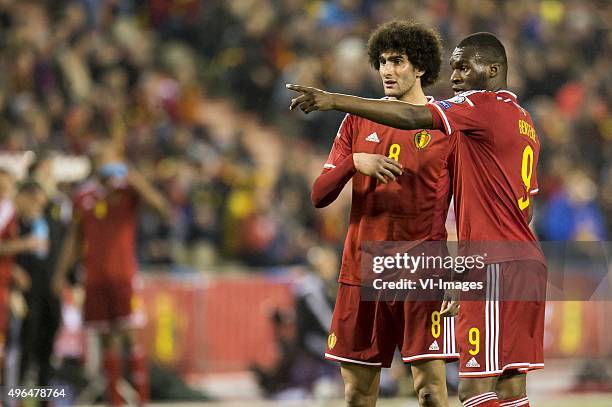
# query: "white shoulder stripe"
342,124
470,92
326,165
447,125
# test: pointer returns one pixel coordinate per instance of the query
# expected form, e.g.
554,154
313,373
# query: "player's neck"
497,85
414,96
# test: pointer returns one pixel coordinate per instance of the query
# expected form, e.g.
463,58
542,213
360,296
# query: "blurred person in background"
11,245
301,337
43,314
8,232
401,187
315,292
102,235
572,212
43,307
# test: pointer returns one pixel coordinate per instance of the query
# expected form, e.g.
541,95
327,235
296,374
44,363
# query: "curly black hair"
421,44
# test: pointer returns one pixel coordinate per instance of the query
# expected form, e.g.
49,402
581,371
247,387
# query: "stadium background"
195,91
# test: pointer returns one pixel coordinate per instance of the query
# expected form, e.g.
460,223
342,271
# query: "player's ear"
494,69
419,73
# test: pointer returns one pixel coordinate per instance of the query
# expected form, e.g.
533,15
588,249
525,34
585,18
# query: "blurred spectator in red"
103,235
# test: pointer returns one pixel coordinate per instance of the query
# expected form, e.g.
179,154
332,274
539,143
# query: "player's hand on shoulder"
378,166
450,305
311,99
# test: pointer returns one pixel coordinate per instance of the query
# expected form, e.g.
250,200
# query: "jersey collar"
507,92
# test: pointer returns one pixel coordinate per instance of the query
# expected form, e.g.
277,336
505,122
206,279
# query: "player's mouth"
389,83
457,89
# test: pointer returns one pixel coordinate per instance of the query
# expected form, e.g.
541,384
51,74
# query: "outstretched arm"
392,113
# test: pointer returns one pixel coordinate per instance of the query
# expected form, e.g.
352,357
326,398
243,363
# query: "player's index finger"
298,88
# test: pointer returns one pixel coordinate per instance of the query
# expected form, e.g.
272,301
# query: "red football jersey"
412,208
497,151
108,222
8,230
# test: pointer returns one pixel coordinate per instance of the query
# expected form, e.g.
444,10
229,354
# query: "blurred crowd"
195,92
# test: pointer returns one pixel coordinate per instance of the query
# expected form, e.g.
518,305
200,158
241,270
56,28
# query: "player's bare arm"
148,193
393,113
22,245
378,166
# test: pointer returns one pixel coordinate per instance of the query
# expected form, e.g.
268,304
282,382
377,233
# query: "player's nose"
455,77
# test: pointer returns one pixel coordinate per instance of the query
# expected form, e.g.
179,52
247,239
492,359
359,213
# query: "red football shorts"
505,331
113,303
368,332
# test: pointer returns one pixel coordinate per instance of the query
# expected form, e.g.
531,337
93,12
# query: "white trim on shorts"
359,362
480,399
431,356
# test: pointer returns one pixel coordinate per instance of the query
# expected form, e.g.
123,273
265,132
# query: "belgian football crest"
422,139
331,341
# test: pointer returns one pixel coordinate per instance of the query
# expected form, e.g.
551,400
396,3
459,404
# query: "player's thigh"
121,297
361,332
430,378
511,385
96,308
360,380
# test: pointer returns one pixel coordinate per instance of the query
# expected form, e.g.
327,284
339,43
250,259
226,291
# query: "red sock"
112,372
515,402
482,400
140,372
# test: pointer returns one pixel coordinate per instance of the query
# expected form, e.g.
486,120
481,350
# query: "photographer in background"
43,314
